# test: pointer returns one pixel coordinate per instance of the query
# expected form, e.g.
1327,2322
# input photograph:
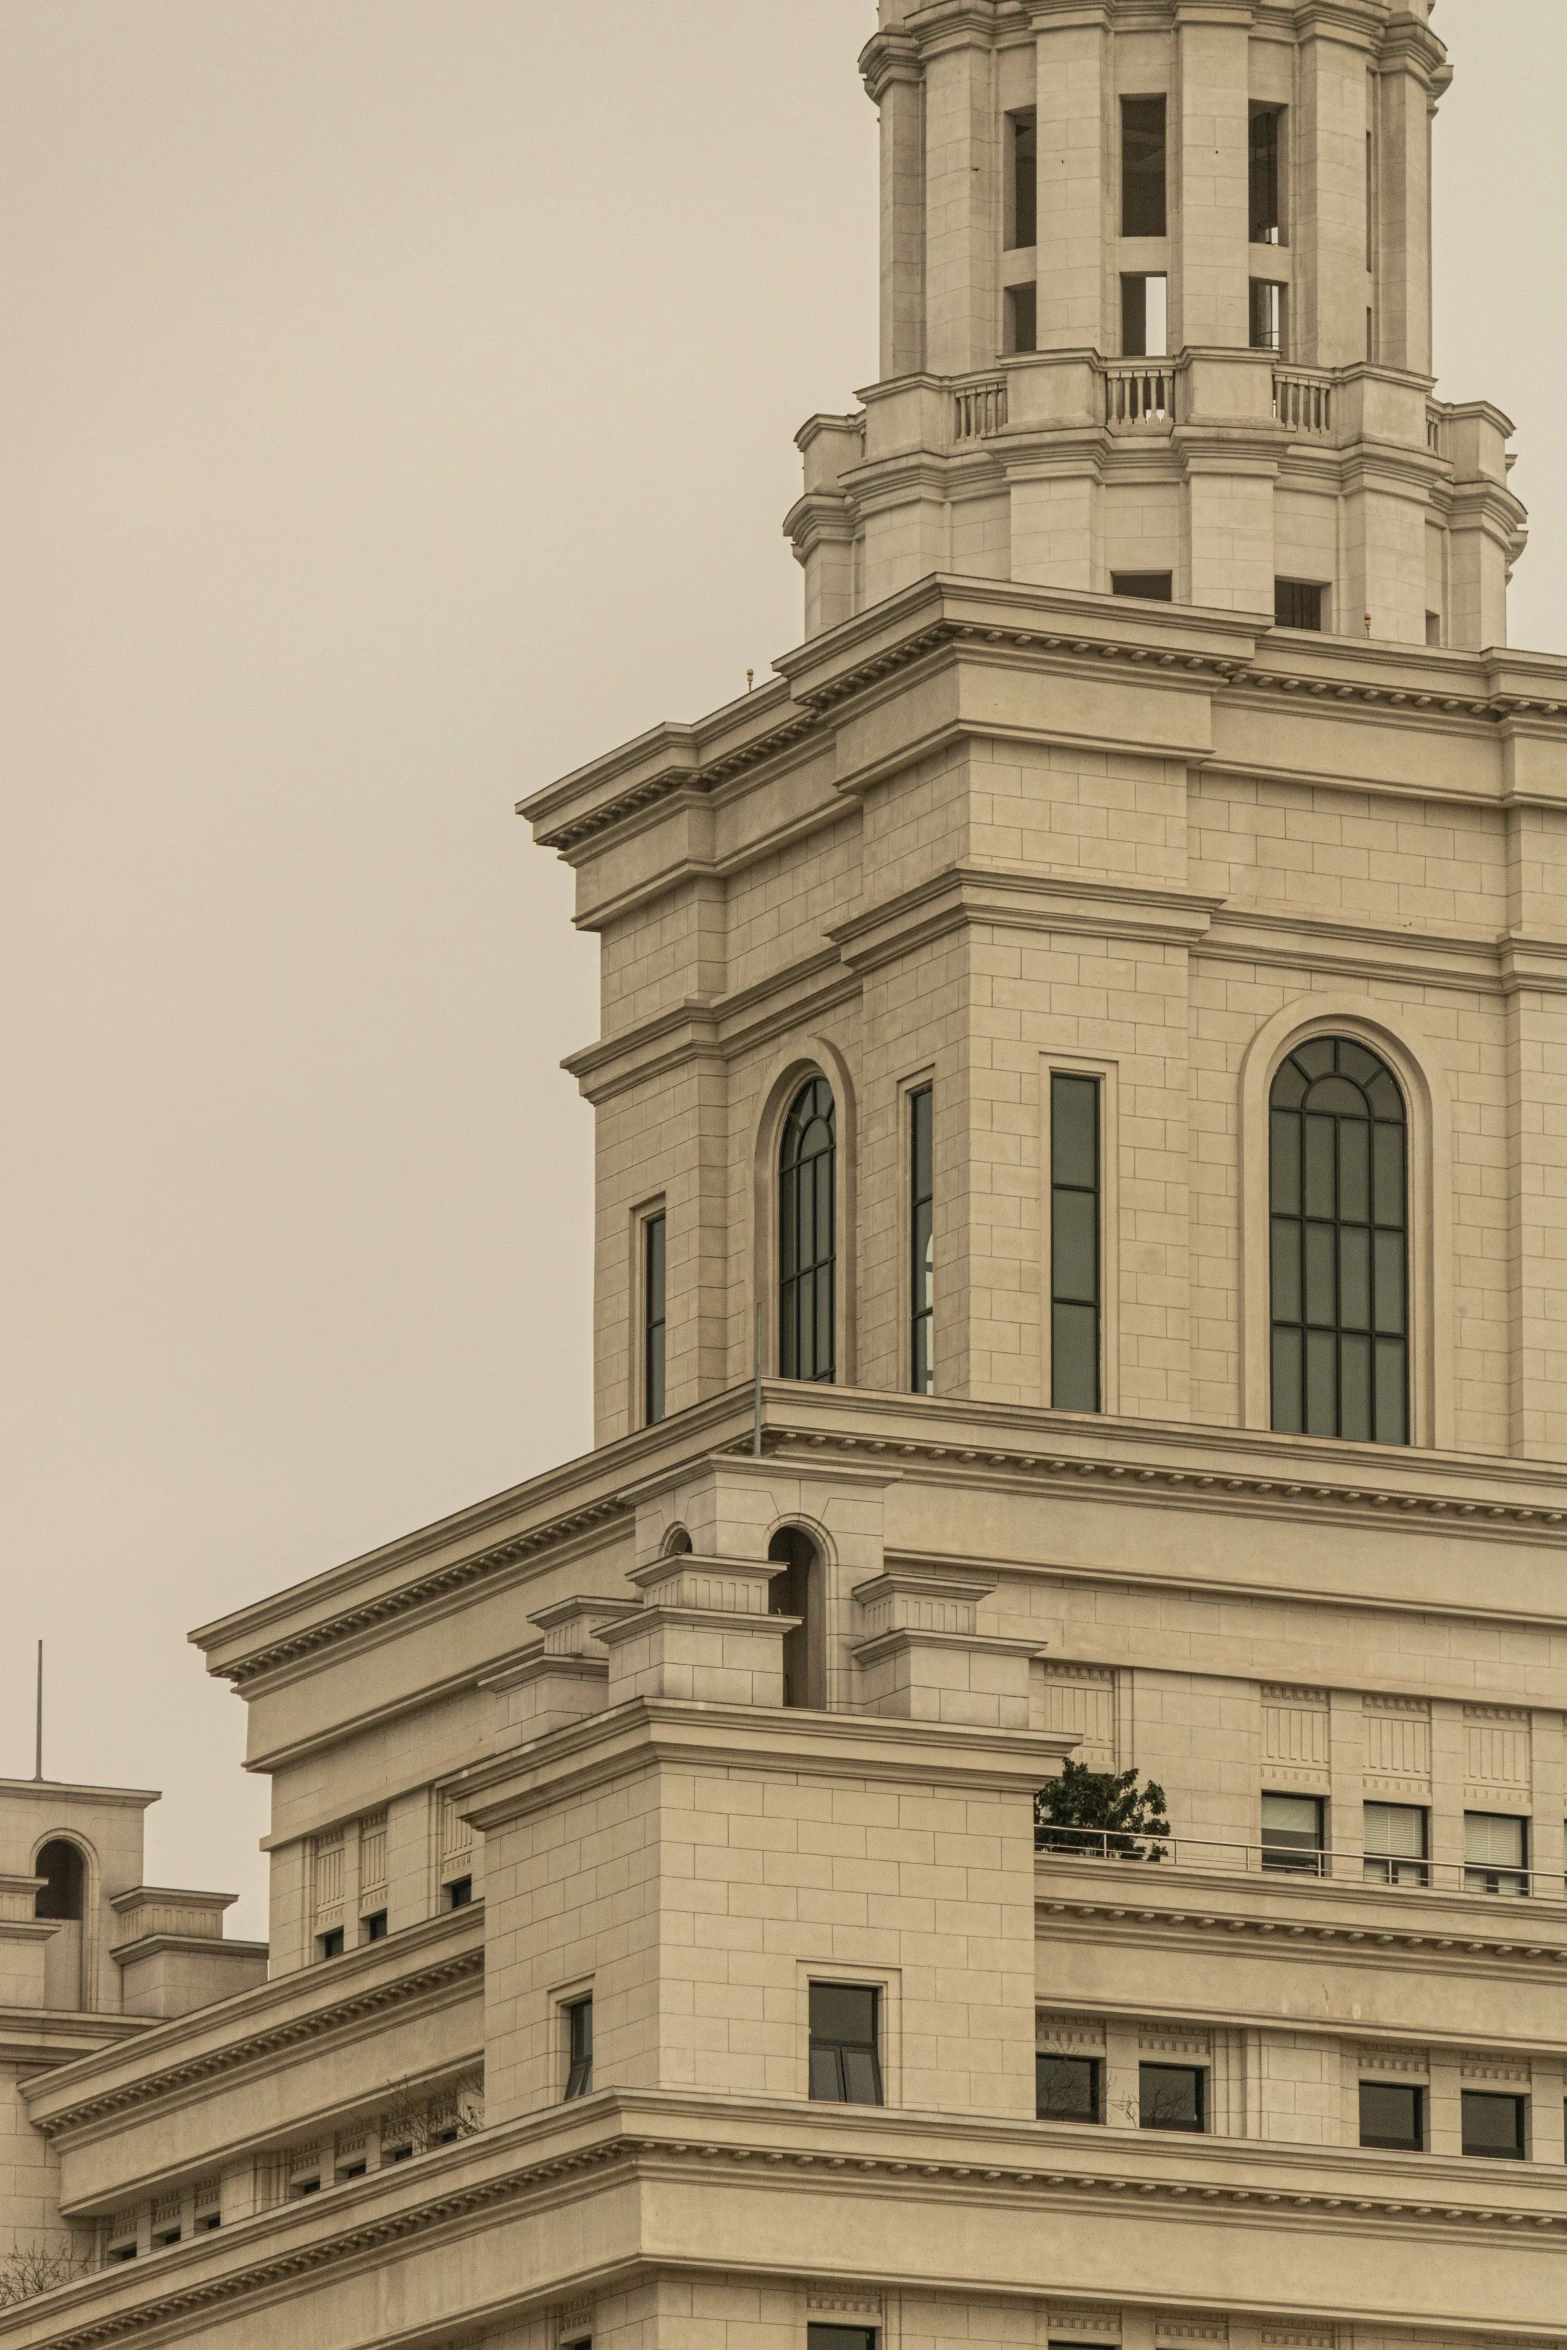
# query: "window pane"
1354,1389
1354,1275
1142,167
1285,1174
1170,2097
1321,1288
1320,1199
1066,2088
1397,1828
1263,179
1318,1057
861,2076
1321,1383
1074,1246
1074,1131
1286,1270
653,1308
844,2011
1387,1156
1390,1282
840,2337
824,2075
1074,1358
921,1129
1288,1400
1391,2115
1289,1086
1496,1837
1493,2125
1354,1170
1392,1392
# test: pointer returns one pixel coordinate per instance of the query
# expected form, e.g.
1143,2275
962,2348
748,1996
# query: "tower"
1079,1269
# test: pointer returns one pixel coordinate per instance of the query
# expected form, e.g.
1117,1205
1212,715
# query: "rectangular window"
1154,587
1068,2088
1494,2126
164,2236
459,1892
579,2048
841,2337
1142,167
373,1928
1171,2096
1392,2116
121,2252
653,1320
1292,1833
1022,324
1145,317
1267,315
1297,603
845,2058
922,1242
1266,218
206,2221
1496,1853
1395,1844
1022,180
1074,1243
1434,628
330,1945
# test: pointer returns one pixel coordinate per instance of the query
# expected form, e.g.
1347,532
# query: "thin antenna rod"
756,1390
38,1719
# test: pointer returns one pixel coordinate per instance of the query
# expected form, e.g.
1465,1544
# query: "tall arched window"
807,1250
59,1863
796,1591
1339,1190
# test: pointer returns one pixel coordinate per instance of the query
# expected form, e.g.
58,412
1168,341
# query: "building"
1081,1268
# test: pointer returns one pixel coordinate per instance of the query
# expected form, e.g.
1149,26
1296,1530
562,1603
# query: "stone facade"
591,1803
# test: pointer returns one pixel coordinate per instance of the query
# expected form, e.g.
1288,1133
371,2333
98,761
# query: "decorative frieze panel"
1496,1746
1401,2063
1079,1701
1295,1728
1398,1737
372,1855
1496,2072
326,1879
1178,2329
1066,2032
1067,2321
1153,2042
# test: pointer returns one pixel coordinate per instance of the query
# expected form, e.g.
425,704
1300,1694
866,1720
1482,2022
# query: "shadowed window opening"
60,1866
807,1235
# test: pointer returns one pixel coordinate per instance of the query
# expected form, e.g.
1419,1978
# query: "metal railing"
1303,403
1140,397
1364,1868
979,409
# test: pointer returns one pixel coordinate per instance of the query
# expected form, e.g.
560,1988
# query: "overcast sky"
396,401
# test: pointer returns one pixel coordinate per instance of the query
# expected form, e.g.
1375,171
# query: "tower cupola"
1156,321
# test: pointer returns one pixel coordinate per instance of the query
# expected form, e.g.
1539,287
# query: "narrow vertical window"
845,2058
1074,1243
1144,317
1267,315
1339,1244
1266,221
1142,167
1022,318
922,1243
579,2048
653,1320
1022,180
807,1246
1297,603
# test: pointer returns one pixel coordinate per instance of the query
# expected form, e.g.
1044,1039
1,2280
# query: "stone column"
1073,108
1209,129
962,207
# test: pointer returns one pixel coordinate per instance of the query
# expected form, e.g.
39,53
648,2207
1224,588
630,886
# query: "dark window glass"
1145,322
793,1592
1025,179
845,2065
653,1319
1170,2096
807,1210
206,2221
164,2236
1022,329
1267,226
59,1863
373,1928
1153,586
579,2048
122,2252
1297,603
1337,1182
1292,1833
330,1945
1392,2116
1142,167
922,1242
1267,315
840,2338
1494,2125
459,1893
1395,1844
1074,1243
1496,1852
1067,2088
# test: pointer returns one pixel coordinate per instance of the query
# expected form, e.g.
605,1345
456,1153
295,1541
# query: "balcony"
1230,1857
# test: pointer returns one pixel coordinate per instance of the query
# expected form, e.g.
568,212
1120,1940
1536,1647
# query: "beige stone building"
1081,1274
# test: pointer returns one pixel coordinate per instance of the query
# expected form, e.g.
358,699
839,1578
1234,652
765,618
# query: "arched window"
60,1866
796,1591
807,1250
1339,1189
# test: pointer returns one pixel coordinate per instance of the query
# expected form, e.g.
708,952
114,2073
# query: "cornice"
289,2037
774,2146
1018,899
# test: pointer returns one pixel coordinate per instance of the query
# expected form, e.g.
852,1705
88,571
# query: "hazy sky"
396,401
